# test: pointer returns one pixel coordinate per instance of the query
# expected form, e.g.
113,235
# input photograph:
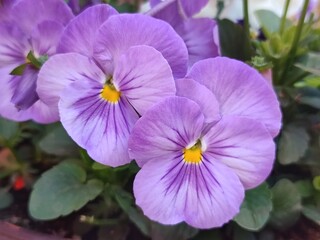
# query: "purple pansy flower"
28,37
198,154
198,33
106,83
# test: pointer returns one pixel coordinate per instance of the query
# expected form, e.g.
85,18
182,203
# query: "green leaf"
18,71
256,208
311,212
58,143
305,188
242,234
312,81
5,199
7,129
62,190
310,63
178,232
126,202
286,204
316,183
294,142
233,41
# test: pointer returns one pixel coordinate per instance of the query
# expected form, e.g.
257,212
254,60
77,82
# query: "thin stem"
246,17
295,43
284,16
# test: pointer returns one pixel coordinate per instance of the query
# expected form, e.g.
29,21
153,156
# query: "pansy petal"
240,90
198,36
127,30
102,128
30,13
205,195
45,37
144,80
188,7
62,69
244,145
214,194
80,33
14,46
24,94
170,125
202,96
169,11
7,108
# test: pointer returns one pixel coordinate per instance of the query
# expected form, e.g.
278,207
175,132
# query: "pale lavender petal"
29,13
100,127
61,70
205,195
202,96
127,30
143,80
45,38
170,11
198,36
244,145
24,93
80,33
188,7
14,46
8,109
171,125
240,90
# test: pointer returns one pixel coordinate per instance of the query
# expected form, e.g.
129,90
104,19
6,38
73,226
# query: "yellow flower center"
193,155
110,93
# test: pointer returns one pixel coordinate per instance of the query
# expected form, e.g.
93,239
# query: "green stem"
284,16
246,17
295,43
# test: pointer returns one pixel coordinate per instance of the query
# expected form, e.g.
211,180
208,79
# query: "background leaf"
62,190
294,142
58,143
256,208
7,129
286,204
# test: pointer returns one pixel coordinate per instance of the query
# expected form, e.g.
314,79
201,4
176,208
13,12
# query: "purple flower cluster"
133,86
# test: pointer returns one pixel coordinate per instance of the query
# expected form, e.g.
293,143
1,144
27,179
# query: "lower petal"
102,128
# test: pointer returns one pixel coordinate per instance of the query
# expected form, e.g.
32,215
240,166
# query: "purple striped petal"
240,90
29,13
24,93
102,128
202,96
14,46
80,33
198,36
45,37
143,80
127,30
205,196
244,145
61,70
169,126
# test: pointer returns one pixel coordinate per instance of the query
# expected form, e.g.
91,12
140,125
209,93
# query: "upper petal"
202,96
80,33
244,145
144,80
170,125
62,69
127,30
198,36
45,37
240,90
102,128
29,13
